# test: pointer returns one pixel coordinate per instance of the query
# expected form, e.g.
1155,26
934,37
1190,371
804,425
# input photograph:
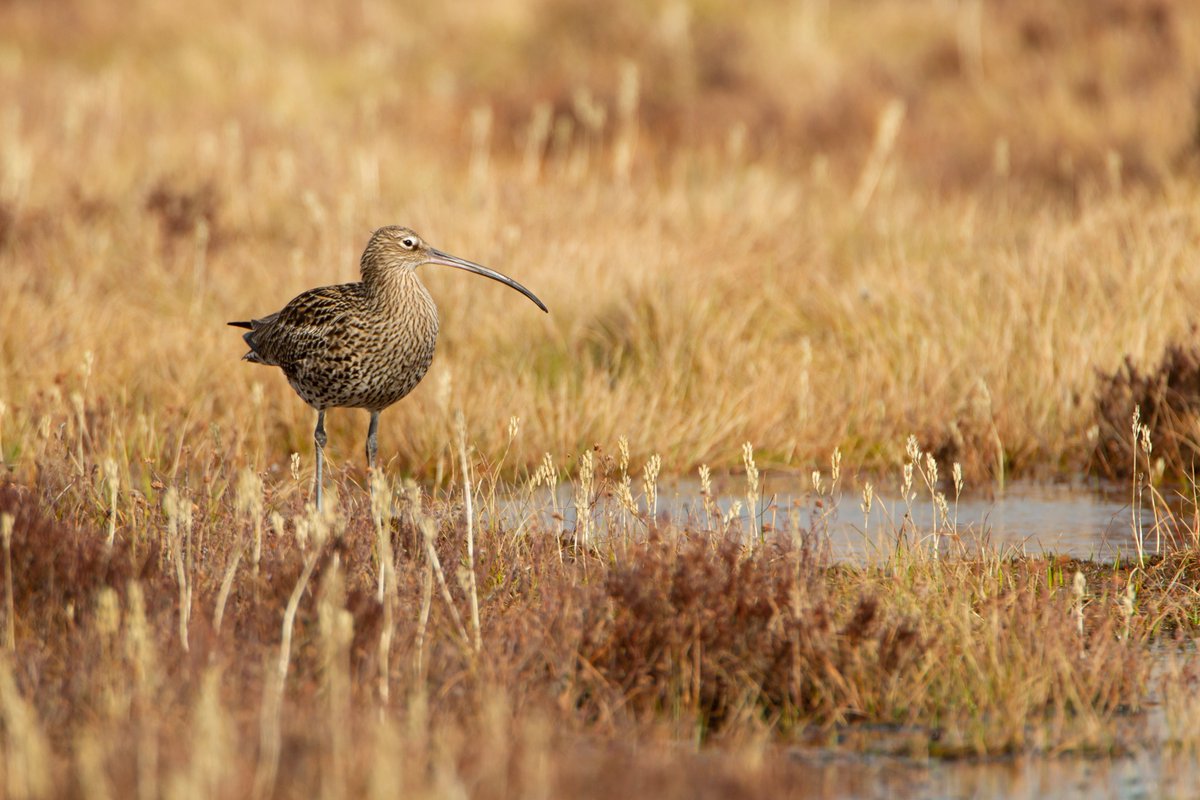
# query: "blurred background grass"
802,224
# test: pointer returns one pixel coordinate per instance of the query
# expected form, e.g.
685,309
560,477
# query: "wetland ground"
814,269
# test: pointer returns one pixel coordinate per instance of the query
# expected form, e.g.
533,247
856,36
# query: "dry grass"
734,250
665,636
1167,397
807,226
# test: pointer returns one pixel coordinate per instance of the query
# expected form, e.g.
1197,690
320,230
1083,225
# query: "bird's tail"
253,355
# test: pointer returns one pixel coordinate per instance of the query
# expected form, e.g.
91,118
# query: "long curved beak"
447,260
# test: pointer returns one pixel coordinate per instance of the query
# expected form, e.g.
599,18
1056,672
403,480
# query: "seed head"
913,449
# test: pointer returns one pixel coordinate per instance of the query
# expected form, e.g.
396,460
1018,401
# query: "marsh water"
1081,519
1145,775
877,767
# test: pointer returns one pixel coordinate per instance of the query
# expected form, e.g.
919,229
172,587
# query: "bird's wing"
301,328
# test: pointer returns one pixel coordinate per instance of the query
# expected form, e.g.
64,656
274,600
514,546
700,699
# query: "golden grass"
804,226
163,177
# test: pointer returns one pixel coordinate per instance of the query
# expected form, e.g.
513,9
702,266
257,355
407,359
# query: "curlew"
361,345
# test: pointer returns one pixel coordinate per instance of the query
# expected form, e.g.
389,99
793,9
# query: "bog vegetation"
814,227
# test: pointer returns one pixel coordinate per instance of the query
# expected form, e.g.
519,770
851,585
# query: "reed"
763,259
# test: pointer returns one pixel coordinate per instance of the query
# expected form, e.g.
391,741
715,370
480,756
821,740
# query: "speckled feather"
365,344
355,345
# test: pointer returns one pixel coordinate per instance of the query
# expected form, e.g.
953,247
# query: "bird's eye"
408,242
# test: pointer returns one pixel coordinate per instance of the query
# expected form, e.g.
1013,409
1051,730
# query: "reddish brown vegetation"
1167,396
683,632
718,634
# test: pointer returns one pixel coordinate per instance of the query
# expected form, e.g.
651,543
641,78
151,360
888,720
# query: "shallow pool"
1080,519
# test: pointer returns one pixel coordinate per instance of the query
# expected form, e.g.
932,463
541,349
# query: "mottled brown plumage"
361,345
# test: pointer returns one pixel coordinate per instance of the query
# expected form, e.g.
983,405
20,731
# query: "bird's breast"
402,343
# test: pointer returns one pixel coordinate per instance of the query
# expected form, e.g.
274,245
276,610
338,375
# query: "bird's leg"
319,438
372,450
372,440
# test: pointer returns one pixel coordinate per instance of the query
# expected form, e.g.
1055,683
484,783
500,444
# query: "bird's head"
398,248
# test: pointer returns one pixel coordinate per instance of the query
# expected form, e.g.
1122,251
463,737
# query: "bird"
365,344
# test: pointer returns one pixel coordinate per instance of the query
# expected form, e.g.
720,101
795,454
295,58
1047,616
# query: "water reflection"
1145,775
1078,520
